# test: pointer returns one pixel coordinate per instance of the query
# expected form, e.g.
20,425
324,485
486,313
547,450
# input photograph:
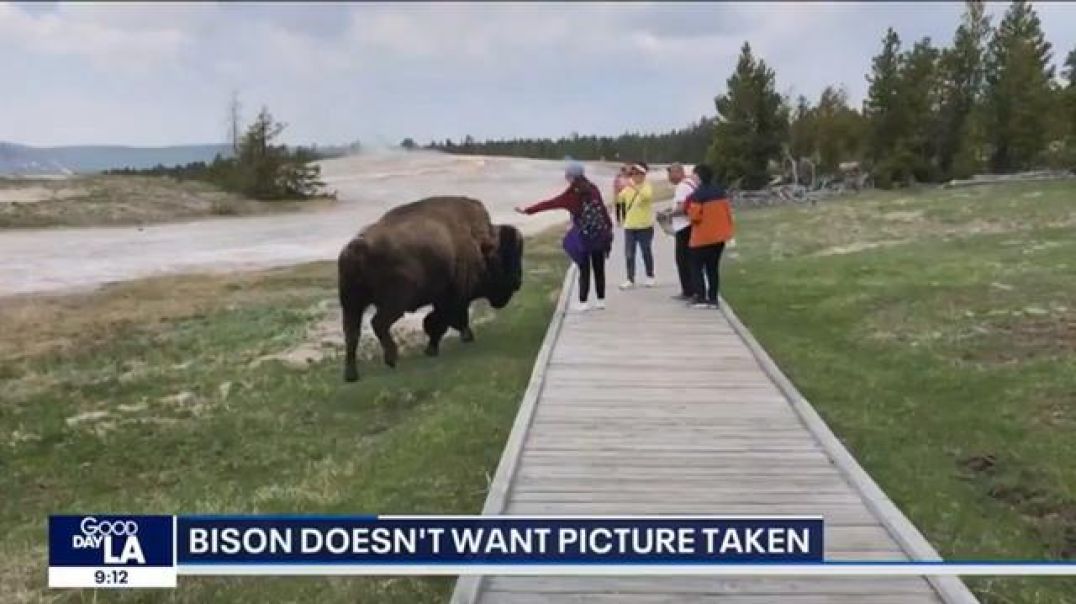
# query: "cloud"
112,36
163,73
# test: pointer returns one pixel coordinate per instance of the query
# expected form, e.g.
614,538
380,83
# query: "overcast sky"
163,74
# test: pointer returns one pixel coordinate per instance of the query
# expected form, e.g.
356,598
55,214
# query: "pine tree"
752,124
801,131
839,131
920,97
1070,69
1067,103
265,170
883,109
1019,90
962,68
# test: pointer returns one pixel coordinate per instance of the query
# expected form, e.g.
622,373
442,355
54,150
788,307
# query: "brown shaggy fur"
440,251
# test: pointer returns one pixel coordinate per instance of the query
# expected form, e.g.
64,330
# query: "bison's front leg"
461,322
382,323
435,327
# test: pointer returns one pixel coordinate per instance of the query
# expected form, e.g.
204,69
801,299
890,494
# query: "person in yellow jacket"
636,204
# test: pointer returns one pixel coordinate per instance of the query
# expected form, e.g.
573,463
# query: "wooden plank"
559,482
759,419
670,432
531,472
677,358
715,502
729,394
772,586
841,513
641,443
644,458
517,597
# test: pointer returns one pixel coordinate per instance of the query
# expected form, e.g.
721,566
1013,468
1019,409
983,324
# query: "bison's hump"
451,205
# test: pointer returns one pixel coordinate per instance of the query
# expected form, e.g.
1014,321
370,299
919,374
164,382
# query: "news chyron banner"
106,551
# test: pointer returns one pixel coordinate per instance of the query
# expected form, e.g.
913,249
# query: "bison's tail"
354,298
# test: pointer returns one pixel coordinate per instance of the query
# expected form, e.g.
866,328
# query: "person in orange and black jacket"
710,213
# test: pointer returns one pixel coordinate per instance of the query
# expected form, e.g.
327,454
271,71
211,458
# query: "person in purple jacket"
592,225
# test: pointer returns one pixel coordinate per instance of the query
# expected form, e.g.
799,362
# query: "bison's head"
505,267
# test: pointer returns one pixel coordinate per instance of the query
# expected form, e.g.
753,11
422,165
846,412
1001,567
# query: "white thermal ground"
49,260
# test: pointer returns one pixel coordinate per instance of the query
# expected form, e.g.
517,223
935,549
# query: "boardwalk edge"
950,589
468,587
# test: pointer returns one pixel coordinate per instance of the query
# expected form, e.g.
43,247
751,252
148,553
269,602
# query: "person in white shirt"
685,186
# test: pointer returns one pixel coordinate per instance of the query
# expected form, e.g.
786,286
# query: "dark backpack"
593,227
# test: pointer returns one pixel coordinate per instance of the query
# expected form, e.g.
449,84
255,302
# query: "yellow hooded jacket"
639,203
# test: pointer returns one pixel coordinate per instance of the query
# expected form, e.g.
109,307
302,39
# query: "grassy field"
124,200
150,397
936,334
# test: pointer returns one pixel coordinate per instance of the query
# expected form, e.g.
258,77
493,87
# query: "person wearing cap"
638,201
710,213
583,201
684,186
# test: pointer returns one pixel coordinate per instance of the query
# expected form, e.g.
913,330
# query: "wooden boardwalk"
649,407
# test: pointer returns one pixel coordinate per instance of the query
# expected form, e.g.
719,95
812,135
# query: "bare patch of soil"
858,247
979,463
1054,520
1030,333
325,338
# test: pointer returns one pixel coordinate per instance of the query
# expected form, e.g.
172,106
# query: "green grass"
193,427
936,334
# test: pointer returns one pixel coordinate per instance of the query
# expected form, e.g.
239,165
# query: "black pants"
597,260
704,267
683,262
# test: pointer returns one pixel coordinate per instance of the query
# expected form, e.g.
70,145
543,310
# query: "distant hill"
24,160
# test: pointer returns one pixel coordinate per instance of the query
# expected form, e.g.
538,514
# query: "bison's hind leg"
382,322
435,325
353,306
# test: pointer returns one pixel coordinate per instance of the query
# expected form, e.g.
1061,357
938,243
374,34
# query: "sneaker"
682,297
581,307
627,284
600,304
650,282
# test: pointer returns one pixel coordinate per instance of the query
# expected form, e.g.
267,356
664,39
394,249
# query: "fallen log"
989,179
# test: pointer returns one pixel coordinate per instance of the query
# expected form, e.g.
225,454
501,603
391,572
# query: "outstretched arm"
560,202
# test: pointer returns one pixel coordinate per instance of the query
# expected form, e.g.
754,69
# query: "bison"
440,251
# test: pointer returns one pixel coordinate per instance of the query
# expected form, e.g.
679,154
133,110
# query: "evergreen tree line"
660,148
990,101
258,168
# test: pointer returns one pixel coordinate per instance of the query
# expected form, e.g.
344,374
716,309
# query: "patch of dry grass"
32,326
126,200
